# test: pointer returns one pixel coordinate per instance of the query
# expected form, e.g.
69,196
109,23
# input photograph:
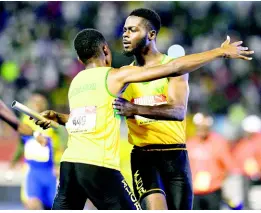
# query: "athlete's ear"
152,35
80,61
107,54
106,50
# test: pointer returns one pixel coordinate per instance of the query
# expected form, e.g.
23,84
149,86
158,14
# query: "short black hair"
87,44
151,16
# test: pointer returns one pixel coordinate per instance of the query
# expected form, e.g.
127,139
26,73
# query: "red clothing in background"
210,161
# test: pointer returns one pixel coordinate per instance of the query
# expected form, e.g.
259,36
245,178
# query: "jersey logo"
148,101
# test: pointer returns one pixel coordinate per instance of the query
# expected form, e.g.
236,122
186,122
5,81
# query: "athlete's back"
93,128
93,148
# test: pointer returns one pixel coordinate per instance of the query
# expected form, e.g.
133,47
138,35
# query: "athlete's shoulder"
79,74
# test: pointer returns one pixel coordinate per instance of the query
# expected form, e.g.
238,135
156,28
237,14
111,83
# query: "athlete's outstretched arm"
178,87
60,118
182,65
175,109
9,117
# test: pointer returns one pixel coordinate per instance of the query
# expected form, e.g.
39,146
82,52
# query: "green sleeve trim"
106,84
163,60
114,96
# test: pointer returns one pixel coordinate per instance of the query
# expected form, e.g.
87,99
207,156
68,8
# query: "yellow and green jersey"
93,129
143,131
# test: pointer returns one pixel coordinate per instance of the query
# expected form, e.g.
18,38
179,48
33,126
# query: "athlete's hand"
50,115
124,107
235,50
41,139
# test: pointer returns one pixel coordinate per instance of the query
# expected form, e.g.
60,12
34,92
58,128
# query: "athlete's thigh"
106,188
146,178
70,195
118,193
177,180
33,188
50,190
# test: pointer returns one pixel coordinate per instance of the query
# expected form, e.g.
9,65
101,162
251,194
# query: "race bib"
35,151
202,181
82,120
148,101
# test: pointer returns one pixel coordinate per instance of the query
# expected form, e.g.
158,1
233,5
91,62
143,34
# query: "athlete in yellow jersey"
39,103
159,161
90,166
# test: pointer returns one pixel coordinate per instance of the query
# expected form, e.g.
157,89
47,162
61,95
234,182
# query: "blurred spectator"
247,152
210,161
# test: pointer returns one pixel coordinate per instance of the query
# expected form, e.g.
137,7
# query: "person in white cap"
211,163
247,153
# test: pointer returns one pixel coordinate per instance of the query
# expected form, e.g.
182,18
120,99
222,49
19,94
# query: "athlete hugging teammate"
156,111
90,167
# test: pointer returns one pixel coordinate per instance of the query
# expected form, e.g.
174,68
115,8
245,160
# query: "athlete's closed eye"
131,29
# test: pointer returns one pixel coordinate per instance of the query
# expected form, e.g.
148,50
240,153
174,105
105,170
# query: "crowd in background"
36,51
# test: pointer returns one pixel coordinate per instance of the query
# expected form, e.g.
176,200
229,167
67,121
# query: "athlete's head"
90,45
203,124
38,102
140,29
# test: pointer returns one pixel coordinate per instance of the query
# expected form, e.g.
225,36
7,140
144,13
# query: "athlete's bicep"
178,91
132,74
118,78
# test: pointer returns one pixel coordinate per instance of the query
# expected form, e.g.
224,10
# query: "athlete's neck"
94,63
149,56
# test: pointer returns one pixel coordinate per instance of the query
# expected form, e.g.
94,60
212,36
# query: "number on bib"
82,120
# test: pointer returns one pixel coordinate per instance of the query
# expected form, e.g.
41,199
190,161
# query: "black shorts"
105,187
163,169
